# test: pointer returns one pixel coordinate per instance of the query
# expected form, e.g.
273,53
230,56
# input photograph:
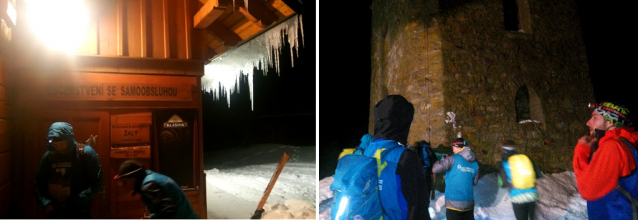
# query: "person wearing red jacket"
605,163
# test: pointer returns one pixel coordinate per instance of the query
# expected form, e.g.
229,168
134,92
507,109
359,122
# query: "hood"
624,133
467,154
64,131
392,119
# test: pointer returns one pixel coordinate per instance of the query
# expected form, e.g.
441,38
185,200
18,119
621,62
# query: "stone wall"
455,58
407,59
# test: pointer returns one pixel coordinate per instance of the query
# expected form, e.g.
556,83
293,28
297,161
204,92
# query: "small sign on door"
131,152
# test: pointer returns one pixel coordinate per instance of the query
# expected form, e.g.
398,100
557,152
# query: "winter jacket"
517,195
67,181
392,119
612,164
461,174
164,198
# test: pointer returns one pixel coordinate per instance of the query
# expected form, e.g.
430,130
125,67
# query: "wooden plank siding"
6,145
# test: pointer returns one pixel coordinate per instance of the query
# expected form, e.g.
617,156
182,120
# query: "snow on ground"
558,199
237,178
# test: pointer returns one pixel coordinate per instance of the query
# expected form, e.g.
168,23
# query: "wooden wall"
6,146
135,42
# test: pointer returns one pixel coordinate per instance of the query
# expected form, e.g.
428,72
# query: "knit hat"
617,114
129,168
459,142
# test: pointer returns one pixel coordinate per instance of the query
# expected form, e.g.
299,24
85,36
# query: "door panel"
85,123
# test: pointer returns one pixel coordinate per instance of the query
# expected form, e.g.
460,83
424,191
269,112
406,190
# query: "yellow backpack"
522,170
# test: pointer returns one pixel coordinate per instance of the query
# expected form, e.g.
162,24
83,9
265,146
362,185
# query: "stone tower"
491,69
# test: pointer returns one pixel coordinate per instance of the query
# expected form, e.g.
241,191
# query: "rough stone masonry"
465,72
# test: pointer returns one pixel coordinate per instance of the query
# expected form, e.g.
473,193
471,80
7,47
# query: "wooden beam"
257,11
187,24
120,27
167,44
228,37
208,14
143,26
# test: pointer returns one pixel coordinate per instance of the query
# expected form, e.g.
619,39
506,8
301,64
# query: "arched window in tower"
522,104
528,106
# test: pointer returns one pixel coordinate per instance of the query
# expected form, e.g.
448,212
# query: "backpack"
632,200
356,194
427,155
522,170
357,186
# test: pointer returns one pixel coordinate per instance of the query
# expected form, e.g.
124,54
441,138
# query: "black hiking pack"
428,156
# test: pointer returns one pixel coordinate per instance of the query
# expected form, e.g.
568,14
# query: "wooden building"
134,82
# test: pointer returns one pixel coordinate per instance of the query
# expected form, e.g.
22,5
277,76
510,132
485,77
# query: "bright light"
11,12
61,24
342,206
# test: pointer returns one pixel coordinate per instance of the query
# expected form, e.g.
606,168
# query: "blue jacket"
164,198
400,186
67,180
461,174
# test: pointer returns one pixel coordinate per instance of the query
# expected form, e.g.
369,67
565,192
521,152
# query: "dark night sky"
345,84
284,105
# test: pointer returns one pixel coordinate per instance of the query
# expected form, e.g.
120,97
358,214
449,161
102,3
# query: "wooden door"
85,123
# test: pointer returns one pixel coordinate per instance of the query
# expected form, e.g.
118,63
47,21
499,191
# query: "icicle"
223,73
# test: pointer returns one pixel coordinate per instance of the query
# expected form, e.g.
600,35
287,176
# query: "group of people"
604,165
70,175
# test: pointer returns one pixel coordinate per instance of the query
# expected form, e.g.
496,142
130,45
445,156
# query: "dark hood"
64,131
392,119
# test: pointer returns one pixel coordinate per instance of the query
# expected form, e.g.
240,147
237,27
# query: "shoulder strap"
634,203
627,142
80,148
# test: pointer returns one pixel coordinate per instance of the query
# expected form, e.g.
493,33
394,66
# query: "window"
516,16
522,104
528,106
510,13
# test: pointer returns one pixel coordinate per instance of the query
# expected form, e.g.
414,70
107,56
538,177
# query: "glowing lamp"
61,25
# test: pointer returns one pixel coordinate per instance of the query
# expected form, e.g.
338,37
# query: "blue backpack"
356,187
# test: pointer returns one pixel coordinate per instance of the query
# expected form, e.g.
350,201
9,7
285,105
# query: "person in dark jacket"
461,174
163,197
523,200
403,191
67,179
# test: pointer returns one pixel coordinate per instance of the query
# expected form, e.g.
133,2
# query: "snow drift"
558,199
